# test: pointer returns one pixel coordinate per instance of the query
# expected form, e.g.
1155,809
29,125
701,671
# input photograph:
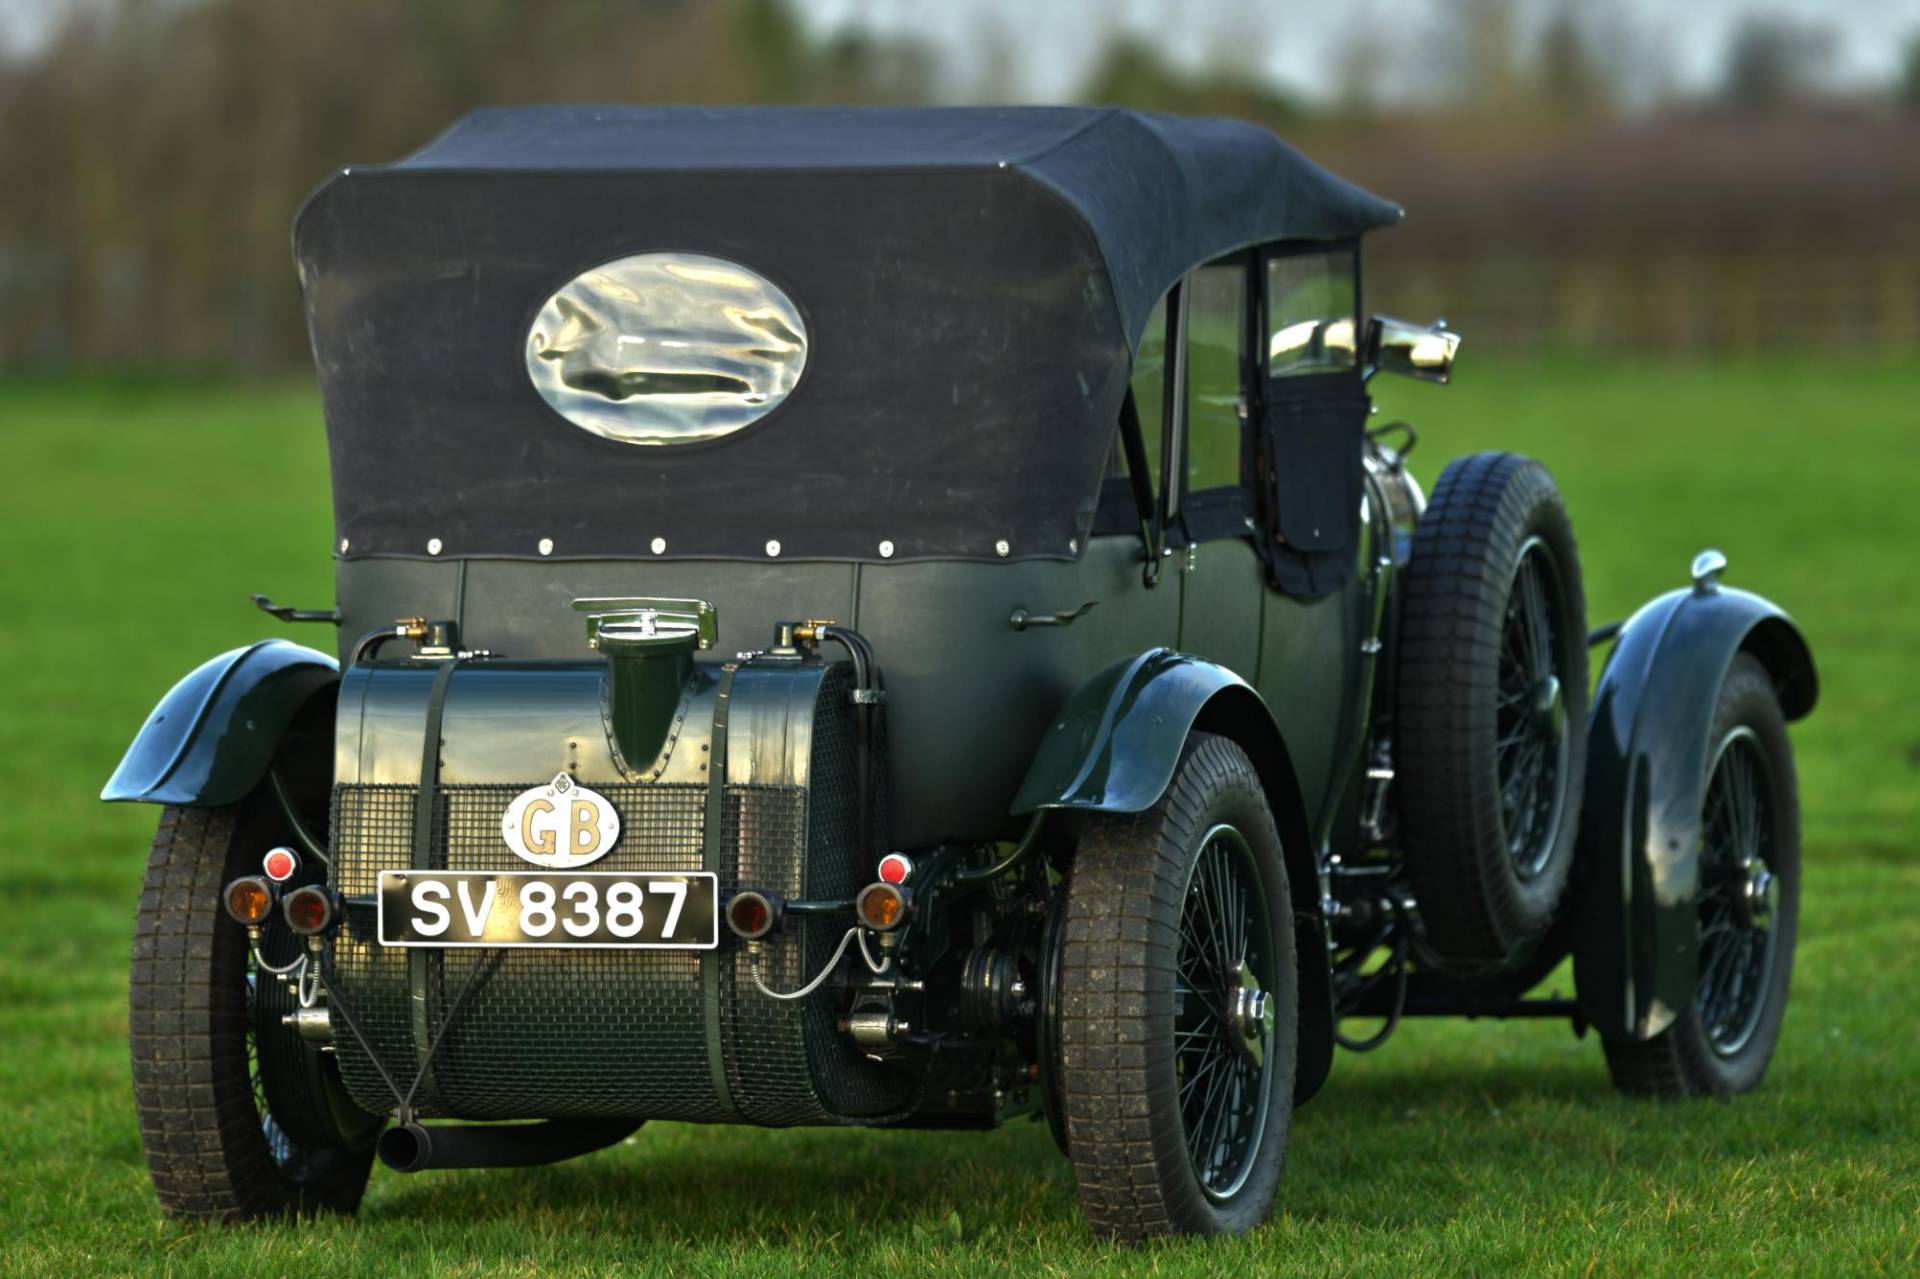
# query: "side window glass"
1216,325
1312,325
1149,380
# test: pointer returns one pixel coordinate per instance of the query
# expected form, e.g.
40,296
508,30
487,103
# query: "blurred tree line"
155,153
1559,195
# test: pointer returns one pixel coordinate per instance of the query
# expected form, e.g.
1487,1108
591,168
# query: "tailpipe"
416,1147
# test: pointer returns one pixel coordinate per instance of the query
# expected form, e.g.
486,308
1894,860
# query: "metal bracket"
287,613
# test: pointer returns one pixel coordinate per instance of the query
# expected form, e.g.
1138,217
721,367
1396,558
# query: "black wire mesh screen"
593,1033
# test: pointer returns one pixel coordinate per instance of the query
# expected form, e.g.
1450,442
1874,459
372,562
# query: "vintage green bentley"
903,618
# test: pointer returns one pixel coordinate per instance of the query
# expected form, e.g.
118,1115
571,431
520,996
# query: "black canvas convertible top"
974,281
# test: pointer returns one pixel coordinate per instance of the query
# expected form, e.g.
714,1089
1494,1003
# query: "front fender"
1112,748
209,741
1636,955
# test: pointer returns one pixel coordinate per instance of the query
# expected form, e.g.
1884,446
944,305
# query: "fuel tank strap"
713,858
420,961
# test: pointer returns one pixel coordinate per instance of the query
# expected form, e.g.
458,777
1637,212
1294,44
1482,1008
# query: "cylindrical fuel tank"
669,1034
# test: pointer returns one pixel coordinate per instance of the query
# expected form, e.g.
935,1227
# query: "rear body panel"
968,696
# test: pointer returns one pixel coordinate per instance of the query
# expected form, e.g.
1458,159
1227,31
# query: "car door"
1207,468
1311,408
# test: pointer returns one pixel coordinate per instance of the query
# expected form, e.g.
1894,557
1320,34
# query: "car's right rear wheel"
1178,998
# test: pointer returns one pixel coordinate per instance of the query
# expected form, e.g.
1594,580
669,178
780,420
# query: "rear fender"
1112,748
209,741
1636,951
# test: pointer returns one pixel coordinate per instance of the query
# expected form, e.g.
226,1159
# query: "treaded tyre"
1749,907
1489,734
1179,1006
201,1026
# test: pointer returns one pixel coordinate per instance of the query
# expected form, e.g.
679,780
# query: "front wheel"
240,1117
1179,1003
1748,905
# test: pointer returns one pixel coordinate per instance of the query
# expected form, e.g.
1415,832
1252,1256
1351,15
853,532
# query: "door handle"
1021,619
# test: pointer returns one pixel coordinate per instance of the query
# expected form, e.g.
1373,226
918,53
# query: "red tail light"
281,864
308,910
753,915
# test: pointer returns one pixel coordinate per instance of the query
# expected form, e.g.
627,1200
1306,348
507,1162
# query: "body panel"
968,695
1309,651
1221,593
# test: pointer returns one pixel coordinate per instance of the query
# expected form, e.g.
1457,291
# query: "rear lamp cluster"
250,899
753,915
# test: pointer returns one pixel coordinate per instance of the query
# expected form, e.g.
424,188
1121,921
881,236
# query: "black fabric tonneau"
973,282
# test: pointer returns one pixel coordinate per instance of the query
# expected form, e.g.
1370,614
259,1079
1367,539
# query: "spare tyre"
1489,736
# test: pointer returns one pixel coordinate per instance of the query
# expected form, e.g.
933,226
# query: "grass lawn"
135,519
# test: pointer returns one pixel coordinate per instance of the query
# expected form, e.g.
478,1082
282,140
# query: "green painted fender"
209,741
1112,748
1636,940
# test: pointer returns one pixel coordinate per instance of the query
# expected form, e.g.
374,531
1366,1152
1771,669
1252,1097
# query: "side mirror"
1424,351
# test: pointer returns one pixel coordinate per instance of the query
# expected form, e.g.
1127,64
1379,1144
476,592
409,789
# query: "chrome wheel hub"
1548,705
1224,1018
1739,896
1250,1014
1759,894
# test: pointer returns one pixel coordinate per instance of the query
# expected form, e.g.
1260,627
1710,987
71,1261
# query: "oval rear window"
666,348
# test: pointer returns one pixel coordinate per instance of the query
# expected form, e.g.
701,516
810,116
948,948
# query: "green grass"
135,519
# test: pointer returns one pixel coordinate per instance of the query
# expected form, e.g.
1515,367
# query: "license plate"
592,909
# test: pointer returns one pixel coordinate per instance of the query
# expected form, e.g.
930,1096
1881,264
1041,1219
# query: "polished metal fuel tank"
667,1034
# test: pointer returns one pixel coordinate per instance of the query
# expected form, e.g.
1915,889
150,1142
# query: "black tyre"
1749,907
1179,1003
1489,732
240,1117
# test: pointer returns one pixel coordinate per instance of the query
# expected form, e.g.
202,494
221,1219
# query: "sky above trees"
1020,48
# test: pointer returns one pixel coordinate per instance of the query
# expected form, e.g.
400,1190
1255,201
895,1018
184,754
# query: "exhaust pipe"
416,1147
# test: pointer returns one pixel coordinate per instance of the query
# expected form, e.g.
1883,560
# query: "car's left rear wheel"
239,1116
1178,997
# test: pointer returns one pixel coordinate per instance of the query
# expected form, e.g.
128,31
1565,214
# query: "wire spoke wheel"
266,999
1223,1021
1531,745
1739,894
1490,711
1746,907
1179,1005
241,1118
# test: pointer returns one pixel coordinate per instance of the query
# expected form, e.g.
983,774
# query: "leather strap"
420,962
714,858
